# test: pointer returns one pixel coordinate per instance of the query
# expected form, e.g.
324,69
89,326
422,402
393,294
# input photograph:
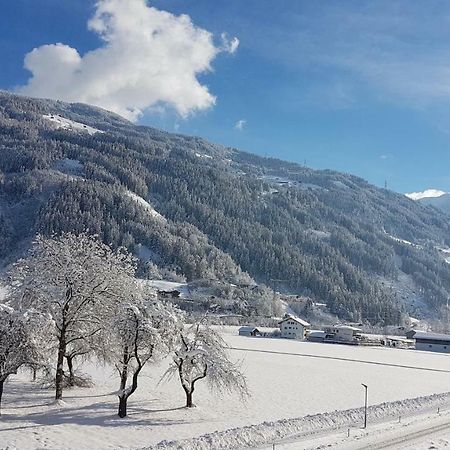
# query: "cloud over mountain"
148,58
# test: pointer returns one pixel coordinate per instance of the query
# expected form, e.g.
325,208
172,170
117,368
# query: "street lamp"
365,404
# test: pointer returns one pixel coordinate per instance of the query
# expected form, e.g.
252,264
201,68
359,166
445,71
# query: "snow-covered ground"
203,155
67,124
288,379
445,253
423,431
165,285
403,241
283,181
146,205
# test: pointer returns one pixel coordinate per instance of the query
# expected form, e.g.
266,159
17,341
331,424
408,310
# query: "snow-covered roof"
316,333
431,336
345,327
164,285
248,328
296,319
268,330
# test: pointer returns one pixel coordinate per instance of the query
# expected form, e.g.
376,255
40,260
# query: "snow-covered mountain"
197,210
433,197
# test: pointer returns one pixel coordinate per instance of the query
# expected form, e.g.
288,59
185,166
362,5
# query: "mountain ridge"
228,215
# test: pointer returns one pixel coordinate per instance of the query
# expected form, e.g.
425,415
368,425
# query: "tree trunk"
123,406
34,373
124,372
1,395
60,365
123,398
69,360
189,403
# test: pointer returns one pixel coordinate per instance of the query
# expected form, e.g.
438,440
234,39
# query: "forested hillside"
192,210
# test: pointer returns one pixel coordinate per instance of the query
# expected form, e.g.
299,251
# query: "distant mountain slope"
442,202
193,209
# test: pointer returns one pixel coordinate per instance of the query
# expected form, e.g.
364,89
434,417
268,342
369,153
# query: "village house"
342,334
293,327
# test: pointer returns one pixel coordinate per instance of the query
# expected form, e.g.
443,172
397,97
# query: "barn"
432,342
249,331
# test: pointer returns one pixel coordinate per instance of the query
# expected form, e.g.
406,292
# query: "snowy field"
287,379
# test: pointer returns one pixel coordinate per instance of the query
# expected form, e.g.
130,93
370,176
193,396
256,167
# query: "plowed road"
408,439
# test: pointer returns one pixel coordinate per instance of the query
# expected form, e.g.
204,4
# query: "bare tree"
201,354
141,330
20,343
74,279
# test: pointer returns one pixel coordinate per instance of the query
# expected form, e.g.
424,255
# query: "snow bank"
268,432
71,125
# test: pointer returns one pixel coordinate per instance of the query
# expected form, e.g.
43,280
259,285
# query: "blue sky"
357,86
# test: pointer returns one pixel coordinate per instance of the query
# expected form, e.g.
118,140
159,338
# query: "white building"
432,342
344,334
293,327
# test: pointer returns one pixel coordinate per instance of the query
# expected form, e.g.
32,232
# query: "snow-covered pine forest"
229,217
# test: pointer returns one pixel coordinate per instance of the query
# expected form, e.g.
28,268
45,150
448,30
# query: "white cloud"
228,45
427,193
240,124
148,58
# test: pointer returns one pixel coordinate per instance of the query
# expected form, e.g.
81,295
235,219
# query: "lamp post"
365,404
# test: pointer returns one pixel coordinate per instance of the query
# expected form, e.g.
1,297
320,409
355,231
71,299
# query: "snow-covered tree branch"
75,279
141,330
201,354
20,343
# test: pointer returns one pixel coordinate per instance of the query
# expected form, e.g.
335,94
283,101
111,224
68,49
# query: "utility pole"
365,404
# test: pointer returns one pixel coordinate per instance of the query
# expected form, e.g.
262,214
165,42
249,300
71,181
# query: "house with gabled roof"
292,327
